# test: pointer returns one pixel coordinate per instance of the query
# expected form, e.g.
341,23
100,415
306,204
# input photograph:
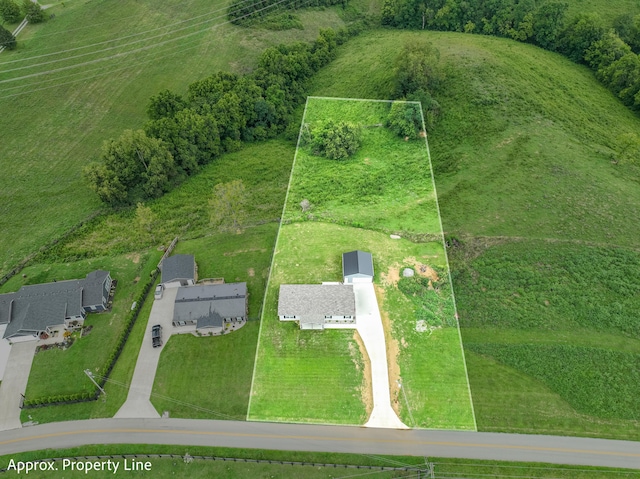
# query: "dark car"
156,335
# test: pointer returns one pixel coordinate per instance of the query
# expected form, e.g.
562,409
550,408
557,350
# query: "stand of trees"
583,38
241,11
216,115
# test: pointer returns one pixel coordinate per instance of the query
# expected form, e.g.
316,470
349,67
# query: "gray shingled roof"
92,291
357,262
35,307
177,267
307,300
209,304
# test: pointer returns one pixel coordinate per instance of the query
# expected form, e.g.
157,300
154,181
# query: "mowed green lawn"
385,186
57,109
56,371
210,377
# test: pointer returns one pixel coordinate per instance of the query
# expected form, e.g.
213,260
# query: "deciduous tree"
10,11
227,206
33,11
7,39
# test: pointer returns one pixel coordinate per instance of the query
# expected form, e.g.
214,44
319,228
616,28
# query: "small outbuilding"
179,270
357,267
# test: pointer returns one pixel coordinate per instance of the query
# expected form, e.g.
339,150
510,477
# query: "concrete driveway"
5,347
138,404
14,383
369,326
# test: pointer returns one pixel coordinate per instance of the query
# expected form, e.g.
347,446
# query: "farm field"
310,376
57,110
545,264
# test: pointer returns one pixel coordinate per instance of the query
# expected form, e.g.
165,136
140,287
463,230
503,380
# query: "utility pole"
90,376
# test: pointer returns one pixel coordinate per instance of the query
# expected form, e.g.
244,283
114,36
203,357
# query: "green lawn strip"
576,337
209,376
58,372
116,388
596,382
507,400
175,467
524,142
75,117
386,174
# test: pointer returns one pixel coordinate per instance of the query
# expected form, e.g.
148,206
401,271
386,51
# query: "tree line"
11,12
216,115
241,11
611,52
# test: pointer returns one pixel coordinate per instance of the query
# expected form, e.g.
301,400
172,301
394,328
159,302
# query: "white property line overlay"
273,257
433,183
446,257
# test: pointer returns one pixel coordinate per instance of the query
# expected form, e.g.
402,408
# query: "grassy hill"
546,269
58,109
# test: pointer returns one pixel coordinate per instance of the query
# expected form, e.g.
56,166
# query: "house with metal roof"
317,306
50,309
357,267
179,270
211,307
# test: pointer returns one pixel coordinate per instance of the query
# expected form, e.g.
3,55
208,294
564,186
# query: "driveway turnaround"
303,437
138,404
14,383
369,326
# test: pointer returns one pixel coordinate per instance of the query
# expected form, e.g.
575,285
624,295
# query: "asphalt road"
298,437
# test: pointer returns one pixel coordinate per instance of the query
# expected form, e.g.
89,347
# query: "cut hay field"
321,376
546,266
85,76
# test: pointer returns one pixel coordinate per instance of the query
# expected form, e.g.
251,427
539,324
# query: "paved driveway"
138,404
14,383
5,347
369,326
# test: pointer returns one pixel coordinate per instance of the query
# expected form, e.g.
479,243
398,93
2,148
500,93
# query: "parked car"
159,291
156,335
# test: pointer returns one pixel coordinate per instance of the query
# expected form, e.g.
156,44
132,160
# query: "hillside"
58,109
545,266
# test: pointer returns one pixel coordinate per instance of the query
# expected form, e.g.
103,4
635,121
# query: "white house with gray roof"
317,306
52,308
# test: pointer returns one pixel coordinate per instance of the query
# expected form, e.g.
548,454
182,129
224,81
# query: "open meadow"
386,187
86,75
545,262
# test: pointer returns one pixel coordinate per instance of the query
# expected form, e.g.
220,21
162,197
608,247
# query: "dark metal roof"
35,307
209,304
357,262
177,267
316,299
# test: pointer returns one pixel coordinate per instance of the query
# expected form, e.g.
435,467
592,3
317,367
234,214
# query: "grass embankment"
55,119
385,187
546,274
172,467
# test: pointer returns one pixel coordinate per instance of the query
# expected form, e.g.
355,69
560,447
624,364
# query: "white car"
158,293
